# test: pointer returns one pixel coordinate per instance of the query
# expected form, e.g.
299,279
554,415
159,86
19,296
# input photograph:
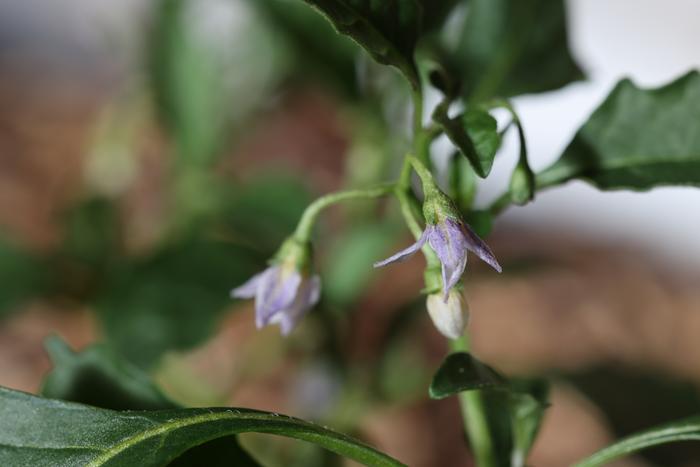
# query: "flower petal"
277,290
479,247
308,295
403,254
447,240
249,288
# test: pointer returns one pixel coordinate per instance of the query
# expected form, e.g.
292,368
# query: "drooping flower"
449,316
450,238
285,291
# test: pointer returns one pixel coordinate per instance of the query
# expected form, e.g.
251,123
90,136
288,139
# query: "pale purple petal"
249,288
277,290
308,295
480,248
447,240
403,254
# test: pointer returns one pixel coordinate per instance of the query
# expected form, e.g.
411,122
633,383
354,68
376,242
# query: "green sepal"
295,252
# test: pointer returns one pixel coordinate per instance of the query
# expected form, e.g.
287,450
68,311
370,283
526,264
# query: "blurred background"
154,154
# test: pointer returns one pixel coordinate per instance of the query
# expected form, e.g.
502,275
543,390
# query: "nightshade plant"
477,54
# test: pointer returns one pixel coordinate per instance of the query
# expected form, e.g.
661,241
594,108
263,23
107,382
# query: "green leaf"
45,432
512,47
435,13
355,250
481,221
528,401
171,299
387,30
475,133
97,376
462,372
462,182
22,274
683,430
264,210
187,80
316,50
637,139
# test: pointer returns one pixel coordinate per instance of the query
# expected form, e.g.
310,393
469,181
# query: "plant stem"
475,417
308,218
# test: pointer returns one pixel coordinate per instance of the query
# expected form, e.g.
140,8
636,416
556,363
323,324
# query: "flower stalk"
308,218
474,417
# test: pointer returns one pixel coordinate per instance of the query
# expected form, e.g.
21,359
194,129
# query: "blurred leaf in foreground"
98,377
65,433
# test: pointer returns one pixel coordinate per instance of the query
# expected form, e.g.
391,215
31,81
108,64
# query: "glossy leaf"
637,139
512,47
475,133
46,432
683,430
98,377
387,30
462,372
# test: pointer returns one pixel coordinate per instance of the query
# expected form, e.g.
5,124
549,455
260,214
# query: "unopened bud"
449,316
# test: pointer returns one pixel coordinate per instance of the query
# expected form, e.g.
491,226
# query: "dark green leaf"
682,430
462,372
316,50
387,30
480,221
637,139
171,299
512,47
44,432
91,231
528,401
187,82
264,210
475,133
435,12
98,377
22,274
658,398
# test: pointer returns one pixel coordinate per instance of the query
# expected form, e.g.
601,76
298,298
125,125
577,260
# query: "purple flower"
282,295
450,239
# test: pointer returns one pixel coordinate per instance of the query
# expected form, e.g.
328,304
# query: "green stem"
308,219
475,417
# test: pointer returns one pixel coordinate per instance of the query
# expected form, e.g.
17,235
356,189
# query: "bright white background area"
651,41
